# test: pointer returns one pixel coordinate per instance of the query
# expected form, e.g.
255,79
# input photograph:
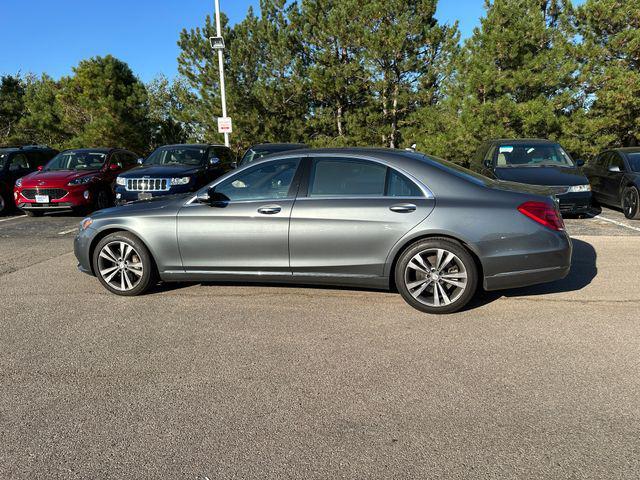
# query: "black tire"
149,273
34,213
6,203
631,203
102,200
460,268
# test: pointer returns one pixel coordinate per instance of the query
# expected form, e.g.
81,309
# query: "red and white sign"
224,125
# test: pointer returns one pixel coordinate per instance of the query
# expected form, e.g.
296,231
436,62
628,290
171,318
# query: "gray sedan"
374,218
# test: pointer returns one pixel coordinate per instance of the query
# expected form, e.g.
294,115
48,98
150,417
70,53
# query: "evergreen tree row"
375,73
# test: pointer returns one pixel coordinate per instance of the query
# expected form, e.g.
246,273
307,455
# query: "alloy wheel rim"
630,201
120,266
436,277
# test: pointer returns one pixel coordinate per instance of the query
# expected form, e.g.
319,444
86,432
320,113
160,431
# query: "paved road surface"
208,381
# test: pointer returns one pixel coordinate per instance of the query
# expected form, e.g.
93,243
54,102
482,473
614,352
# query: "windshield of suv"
634,161
532,155
75,160
190,156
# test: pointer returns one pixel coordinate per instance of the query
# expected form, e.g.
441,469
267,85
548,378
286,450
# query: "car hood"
551,176
55,178
154,205
156,171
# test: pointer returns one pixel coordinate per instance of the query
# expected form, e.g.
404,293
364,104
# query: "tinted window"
264,182
634,161
19,162
616,161
400,186
347,178
223,154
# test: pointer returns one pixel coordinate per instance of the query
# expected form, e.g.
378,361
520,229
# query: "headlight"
86,223
80,181
180,181
19,182
579,188
121,181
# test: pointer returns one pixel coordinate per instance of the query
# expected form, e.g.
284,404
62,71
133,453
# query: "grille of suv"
148,184
53,193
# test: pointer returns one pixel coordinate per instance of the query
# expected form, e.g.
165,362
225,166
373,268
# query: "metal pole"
221,68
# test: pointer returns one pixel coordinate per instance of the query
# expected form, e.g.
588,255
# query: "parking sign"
224,125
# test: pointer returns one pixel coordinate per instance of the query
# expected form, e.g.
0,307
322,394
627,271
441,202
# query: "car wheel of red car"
123,264
102,200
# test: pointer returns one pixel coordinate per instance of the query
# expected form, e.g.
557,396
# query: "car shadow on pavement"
583,270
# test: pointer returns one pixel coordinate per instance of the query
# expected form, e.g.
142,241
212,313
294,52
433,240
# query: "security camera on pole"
217,43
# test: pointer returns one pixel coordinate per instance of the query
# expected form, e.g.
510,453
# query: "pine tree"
12,92
610,53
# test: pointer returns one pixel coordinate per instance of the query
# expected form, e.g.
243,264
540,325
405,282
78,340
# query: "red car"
79,180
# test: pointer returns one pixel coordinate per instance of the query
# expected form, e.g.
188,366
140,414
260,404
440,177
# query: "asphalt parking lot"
230,381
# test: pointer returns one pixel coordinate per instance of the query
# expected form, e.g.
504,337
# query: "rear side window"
344,177
400,186
616,161
347,178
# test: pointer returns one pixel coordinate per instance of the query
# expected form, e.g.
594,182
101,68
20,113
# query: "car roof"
26,148
196,145
626,149
97,149
518,141
278,146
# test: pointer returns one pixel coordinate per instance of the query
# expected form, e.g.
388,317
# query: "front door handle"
403,208
270,210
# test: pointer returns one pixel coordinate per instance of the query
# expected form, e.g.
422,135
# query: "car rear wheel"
436,275
123,264
102,200
631,203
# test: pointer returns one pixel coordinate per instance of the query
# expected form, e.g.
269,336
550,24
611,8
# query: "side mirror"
214,161
213,198
140,161
580,162
114,167
40,167
614,169
486,163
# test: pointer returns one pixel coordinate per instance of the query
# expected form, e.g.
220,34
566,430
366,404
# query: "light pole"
217,43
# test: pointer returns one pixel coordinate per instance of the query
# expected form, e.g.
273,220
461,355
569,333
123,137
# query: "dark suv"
16,162
174,169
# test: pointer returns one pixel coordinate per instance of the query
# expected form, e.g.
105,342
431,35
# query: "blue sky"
53,36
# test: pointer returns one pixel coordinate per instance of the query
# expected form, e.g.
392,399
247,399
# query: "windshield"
190,156
634,161
532,155
77,161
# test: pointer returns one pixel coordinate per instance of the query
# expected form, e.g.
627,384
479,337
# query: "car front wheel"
123,264
436,275
631,203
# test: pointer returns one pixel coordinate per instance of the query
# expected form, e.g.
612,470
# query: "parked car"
260,150
173,169
615,178
79,180
537,162
15,162
373,218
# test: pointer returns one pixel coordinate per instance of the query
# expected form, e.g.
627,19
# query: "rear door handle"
403,208
270,209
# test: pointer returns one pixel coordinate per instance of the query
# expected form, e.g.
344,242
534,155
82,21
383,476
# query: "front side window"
634,161
77,161
532,155
264,182
616,161
182,156
19,162
337,177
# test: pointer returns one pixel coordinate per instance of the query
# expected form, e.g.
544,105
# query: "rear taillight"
543,213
